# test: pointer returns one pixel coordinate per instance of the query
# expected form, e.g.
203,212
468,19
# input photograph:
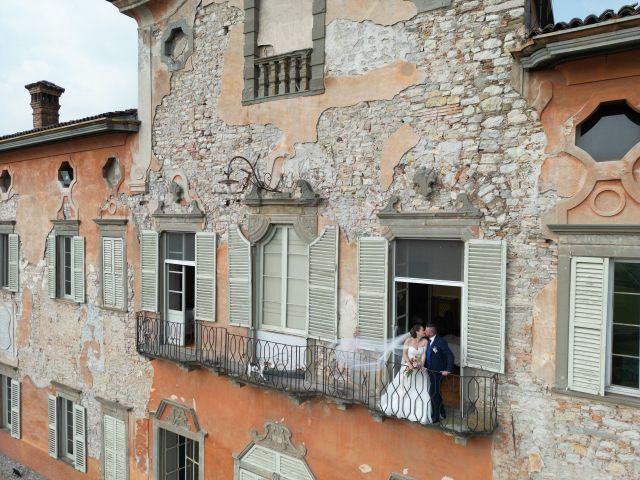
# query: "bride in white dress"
407,396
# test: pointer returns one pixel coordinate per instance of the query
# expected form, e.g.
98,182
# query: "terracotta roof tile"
625,11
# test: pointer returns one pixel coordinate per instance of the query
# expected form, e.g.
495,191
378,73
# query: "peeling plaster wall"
80,345
443,75
285,25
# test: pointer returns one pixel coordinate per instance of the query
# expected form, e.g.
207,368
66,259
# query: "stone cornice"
70,132
552,48
593,229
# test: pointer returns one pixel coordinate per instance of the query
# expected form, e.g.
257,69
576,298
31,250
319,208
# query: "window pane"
297,317
4,260
175,301
625,371
175,280
190,247
610,132
174,246
626,340
7,393
627,277
69,426
429,259
626,308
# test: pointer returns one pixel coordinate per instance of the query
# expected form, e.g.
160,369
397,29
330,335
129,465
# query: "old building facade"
205,288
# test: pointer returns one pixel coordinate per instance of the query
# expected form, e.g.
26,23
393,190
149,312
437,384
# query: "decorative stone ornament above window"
269,209
272,455
177,45
283,49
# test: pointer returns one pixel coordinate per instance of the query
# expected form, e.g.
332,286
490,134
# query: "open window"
179,267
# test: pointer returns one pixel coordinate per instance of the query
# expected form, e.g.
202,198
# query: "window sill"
114,309
611,398
65,300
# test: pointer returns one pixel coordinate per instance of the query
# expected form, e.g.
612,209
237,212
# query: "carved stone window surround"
177,421
65,391
66,227
606,241
276,437
7,226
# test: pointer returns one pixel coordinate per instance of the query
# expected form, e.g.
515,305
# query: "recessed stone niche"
177,45
112,173
5,181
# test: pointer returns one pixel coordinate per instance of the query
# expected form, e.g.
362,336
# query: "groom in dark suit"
439,362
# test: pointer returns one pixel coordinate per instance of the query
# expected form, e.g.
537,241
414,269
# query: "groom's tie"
429,354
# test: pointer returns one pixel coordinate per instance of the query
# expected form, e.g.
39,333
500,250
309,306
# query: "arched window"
610,132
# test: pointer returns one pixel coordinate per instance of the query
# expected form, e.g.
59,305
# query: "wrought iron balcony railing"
345,376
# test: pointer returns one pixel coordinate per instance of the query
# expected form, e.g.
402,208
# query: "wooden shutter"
14,260
115,449
323,285
80,437
113,272
263,458
588,309
51,264
109,443
149,270
122,458
77,279
293,468
484,304
119,277
239,278
108,286
15,409
373,256
205,301
52,420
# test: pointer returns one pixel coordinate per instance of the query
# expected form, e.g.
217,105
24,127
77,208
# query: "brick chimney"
45,102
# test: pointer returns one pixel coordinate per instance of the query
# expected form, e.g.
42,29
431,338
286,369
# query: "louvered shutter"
77,279
15,409
51,264
205,276
239,278
122,460
484,304
588,309
247,475
373,256
52,420
108,287
263,458
119,270
115,449
14,257
323,285
149,270
293,469
80,437
109,443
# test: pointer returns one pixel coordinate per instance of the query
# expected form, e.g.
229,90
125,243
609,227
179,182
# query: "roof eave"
549,49
69,132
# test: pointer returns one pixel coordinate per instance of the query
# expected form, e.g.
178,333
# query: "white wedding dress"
407,396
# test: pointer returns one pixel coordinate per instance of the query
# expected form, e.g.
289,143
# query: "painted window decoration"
286,40
610,132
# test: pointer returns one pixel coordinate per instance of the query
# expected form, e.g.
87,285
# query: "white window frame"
282,328
4,260
609,388
5,393
423,281
63,450
61,266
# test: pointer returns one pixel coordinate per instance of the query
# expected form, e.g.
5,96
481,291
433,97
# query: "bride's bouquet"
415,363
